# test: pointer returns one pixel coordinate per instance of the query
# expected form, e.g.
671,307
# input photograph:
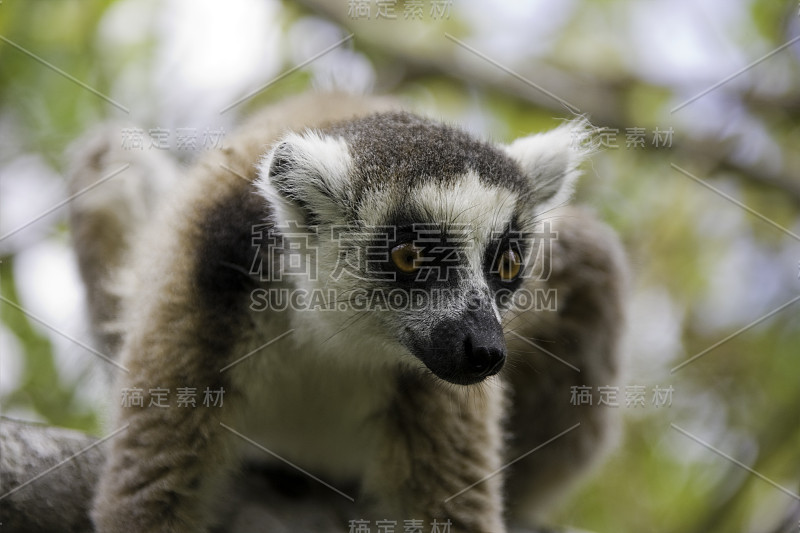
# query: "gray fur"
353,397
407,149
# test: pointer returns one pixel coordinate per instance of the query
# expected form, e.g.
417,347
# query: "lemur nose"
483,361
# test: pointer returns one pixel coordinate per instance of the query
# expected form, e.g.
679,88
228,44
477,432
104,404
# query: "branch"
53,501
47,476
604,100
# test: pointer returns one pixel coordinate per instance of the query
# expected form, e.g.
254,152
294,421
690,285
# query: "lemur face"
420,226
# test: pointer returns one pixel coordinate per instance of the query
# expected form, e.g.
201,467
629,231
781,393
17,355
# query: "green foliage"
769,17
41,388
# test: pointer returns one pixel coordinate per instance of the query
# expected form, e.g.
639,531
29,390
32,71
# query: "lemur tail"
114,191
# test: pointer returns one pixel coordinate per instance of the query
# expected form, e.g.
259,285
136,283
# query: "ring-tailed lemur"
350,276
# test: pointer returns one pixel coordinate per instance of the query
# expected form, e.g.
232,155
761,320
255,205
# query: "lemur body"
404,402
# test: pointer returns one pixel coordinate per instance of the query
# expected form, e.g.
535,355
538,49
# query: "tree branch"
47,478
54,501
604,100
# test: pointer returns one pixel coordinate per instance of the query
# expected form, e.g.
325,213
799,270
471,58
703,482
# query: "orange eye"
406,257
509,265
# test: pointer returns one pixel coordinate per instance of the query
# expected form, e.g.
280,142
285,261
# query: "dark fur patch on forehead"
405,150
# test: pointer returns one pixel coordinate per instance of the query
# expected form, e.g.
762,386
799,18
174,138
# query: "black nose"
483,361
464,349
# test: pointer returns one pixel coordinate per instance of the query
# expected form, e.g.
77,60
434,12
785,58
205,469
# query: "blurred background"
700,175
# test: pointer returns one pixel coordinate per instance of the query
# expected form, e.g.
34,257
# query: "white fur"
348,389
321,167
468,201
551,159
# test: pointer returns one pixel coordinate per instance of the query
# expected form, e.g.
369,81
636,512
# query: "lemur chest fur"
312,406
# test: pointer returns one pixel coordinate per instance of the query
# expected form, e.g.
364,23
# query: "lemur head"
421,227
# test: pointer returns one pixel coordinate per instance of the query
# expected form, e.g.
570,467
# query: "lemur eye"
406,257
509,265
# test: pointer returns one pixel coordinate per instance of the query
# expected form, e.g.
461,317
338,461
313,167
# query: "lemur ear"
550,160
304,178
